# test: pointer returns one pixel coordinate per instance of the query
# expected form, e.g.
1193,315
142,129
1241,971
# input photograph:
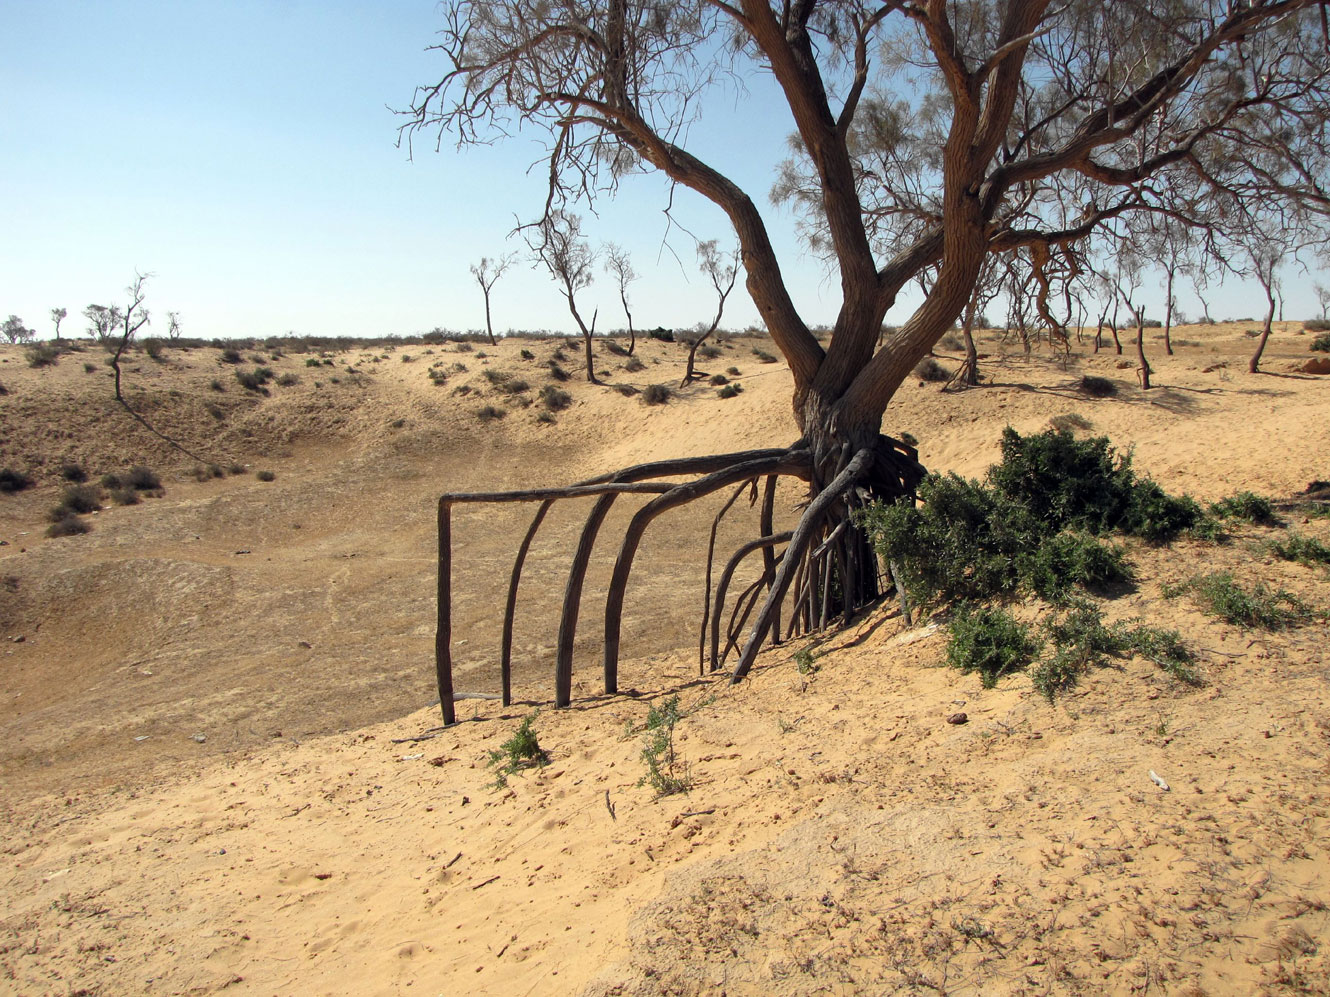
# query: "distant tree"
487,273
721,269
1265,256
1323,299
618,265
58,316
173,326
15,331
558,243
116,329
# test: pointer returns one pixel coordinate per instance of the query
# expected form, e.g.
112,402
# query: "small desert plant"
661,334
763,356
805,662
42,354
666,774
718,379
89,368
708,352
1097,387
265,475
634,364
930,370
555,399
951,341
989,641
488,413
521,751
68,526
217,385
611,346
557,372
13,481
124,496
73,472
528,355
254,380
464,347
143,479
313,362
515,386
407,358
78,499
1317,325
1321,344
153,347
287,380
1246,506
546,417
496,377
1069,422
730,390
236,469
231,356
1297,547
733,371
656,394
1220,595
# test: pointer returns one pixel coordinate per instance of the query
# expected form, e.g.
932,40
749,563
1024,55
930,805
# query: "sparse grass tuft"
488,413
931,371
634,364
42,355
763,356
1304,550
1069,422
1220,595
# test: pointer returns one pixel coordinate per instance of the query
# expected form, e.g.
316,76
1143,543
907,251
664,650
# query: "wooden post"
443,635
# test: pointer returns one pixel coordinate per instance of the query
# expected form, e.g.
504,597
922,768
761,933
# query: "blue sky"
244,153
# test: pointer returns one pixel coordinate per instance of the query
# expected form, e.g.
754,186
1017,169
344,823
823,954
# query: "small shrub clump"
666,774
1220,595
1247,506
1097,387
730,390
73,472
13,481
656,394
931,371
989,641
719,379
1304,550
634,364
68,526
265,475
555,399
488,413
763,356
1321,344
521,751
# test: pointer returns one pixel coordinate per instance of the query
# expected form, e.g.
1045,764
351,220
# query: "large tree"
928,135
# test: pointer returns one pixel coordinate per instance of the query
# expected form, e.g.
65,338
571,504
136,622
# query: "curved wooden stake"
794,462
572,600
506,654
764,527
809,524
722,586
443,634
706,588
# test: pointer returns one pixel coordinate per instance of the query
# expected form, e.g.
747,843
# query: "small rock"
199,738
958,718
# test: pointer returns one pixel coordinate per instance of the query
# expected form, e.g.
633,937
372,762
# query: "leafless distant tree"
721,269
116,329
58,316
559,244
173,325
1323,299
928,135
621,269
487,273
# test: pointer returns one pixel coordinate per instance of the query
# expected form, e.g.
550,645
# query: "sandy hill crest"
840,835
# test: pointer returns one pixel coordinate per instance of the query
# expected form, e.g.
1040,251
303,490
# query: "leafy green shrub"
265,475
1097,387
708,352
1081,641
989,641
730,390
254,380
656,394
666,774
1320,344
521,751
930,370
806,662
1159,517
1051,568
1220,595
1246,506
733,371
555,399
13,481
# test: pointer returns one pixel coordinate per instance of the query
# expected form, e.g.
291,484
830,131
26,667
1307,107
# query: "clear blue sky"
244,153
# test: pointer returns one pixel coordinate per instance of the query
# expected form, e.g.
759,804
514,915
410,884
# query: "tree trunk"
1255,366
1168,315
632,336
1140,349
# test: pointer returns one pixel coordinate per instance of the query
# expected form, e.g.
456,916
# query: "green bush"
521,751
1081,641
1051,568
989,641
1304,550
231,356
730,390
1247,506
1321,344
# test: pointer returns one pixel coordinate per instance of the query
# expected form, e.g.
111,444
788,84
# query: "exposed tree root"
826,561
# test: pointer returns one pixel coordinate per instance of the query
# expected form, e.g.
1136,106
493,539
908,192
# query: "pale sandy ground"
840,836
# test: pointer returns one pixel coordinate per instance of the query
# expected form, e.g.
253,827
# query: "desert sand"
223,768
